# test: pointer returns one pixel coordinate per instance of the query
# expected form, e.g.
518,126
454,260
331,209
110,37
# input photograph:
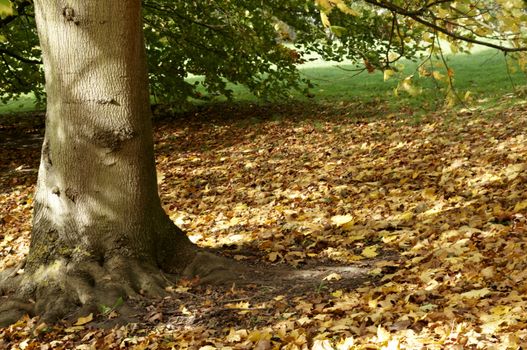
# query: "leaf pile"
433,209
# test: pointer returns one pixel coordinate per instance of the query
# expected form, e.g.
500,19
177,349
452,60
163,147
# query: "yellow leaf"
325,5
429,193
273,256
181,289
304,320
382,335
235,336
83,320
6,8
408,215
337,293
341,5
258,335
407,85
387,74
520,206
501,310
491,327
346,344
488,272
375,272
345,221
370,252
333,276
74,329
353,238
437,75
322,344
240,305
475,293
325,19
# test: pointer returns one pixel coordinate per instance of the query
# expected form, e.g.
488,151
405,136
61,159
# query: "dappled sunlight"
297,175
386,232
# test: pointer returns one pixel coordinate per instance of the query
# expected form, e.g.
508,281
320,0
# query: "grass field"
483,73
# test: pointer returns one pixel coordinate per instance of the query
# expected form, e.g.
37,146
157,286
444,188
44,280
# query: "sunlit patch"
50,272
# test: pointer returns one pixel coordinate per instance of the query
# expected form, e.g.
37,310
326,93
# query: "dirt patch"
267,292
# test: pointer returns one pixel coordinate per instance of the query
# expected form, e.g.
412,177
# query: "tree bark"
97,190
99,231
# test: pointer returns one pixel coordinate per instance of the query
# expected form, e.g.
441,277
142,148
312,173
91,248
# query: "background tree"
260,45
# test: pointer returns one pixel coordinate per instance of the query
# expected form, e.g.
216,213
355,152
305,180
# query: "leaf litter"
388,233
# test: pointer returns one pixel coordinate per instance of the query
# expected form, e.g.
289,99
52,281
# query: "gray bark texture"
97,190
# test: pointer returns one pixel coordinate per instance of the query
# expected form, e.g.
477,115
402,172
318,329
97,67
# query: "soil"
270,290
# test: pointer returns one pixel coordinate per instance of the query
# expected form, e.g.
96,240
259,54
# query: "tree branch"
18,57
415,15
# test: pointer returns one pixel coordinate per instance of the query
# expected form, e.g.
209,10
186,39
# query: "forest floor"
370,229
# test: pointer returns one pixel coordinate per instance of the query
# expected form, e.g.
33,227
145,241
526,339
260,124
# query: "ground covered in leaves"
389,231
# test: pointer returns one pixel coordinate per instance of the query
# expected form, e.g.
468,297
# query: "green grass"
26,103
483,73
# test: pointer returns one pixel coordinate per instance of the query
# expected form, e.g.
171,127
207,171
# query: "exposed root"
69,290
215,269
12,310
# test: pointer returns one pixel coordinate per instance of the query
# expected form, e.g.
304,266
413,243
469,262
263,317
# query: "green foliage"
234,41
106,310
19,54
6,8
260,45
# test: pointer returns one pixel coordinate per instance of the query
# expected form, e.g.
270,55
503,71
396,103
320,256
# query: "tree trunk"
97,190
99,231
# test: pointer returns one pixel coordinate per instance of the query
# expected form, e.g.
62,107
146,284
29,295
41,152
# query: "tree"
99,232
215,39
260,44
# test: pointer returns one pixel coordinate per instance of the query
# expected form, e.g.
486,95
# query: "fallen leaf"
84,320
333,276
370,252
476,293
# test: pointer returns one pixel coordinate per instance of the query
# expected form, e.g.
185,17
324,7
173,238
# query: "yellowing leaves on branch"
326,6
6,8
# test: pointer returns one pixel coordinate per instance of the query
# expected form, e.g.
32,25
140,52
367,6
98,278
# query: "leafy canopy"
261,44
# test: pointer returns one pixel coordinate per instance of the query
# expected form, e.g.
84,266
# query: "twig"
415,15
450,81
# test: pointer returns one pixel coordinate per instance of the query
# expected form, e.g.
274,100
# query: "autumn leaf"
332,277
520,206
370,252
84,320
476,293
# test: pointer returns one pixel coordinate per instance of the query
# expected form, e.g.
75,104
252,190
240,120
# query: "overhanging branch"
18,57
416,16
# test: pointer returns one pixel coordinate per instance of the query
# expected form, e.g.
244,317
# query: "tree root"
214,269
69,290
